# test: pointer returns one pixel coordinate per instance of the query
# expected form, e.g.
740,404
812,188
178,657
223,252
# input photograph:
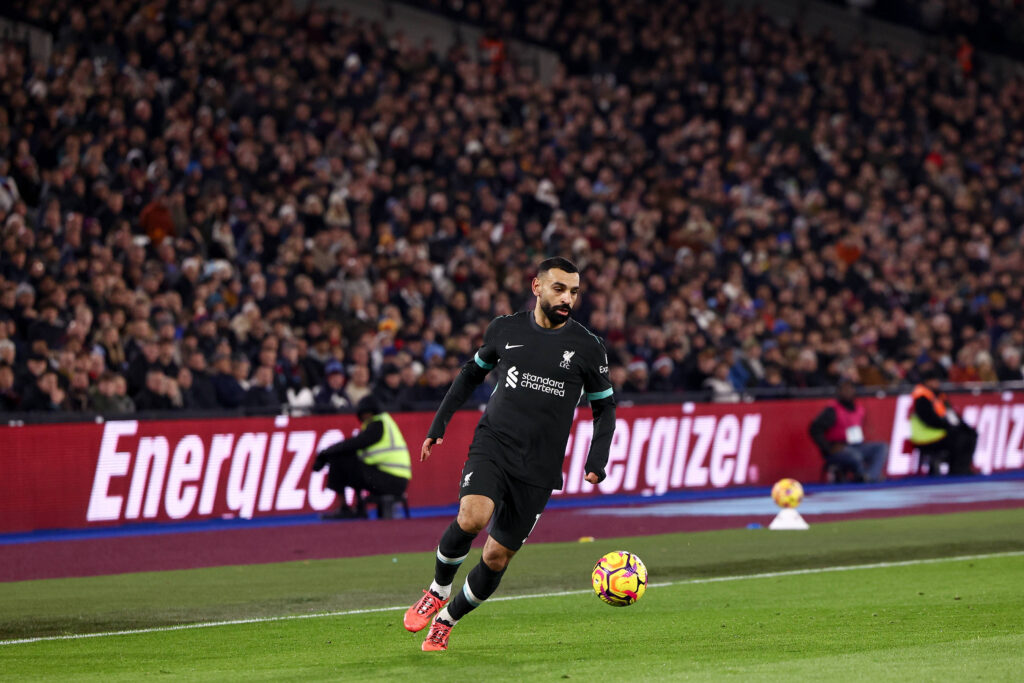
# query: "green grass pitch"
735,605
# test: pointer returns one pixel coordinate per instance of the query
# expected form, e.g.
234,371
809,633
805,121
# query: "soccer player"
545,362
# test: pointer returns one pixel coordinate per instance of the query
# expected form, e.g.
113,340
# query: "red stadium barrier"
85,475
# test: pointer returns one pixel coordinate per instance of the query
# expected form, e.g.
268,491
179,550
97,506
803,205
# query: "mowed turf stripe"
685,582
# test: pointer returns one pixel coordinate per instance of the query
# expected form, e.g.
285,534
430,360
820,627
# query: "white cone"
788,518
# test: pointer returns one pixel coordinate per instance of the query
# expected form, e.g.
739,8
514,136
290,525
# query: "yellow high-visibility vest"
390,454
920,433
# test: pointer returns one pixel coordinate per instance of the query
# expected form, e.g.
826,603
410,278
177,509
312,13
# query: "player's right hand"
428,443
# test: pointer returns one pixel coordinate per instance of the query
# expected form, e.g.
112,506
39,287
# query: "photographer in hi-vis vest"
938,433
838,431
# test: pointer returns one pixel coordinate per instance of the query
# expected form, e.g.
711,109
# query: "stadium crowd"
239,204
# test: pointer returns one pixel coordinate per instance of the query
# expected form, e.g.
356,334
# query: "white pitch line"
684,582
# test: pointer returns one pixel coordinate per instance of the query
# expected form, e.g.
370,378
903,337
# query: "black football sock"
480,585
451,552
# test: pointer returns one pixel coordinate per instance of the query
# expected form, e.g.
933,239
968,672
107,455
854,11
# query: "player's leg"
481,486
519,512
474,513
481,583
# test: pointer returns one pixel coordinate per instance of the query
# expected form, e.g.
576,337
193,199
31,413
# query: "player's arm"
469,378
604,430
598,388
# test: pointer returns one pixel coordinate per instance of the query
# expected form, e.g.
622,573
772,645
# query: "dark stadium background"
222,209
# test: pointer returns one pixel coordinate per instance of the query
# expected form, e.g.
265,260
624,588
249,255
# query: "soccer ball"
787,493
620,578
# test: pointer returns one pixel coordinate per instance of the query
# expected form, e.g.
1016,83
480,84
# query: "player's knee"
497,558
472,521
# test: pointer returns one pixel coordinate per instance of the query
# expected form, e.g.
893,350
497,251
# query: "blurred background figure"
938,433
375,461
838,431
331,394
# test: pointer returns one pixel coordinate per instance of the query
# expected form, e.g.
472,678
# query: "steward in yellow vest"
936,429
376,460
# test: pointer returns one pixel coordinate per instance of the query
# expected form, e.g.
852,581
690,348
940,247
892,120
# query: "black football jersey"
542,375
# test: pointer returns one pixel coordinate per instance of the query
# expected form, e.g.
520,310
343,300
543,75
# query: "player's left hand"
592,478
428,445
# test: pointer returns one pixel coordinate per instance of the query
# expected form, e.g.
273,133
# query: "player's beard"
555,314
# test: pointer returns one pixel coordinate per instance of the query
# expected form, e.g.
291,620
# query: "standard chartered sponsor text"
543,384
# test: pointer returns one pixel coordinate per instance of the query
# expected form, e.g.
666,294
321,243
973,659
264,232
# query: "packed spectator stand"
242,205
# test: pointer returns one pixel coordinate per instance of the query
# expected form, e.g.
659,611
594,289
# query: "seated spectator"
78,391
202,395
48,326
261,392
33,369
103,397
358,385
964,371
663,380
8,351
805,372
870,373
411,375
722,390
155,395
240,367
389,390
1010,368
637,378
773,385
838,431
740,375
141,364
698,368
748,370
290,369
226,387
9,398
617,375
436,381
166,360
986,367
45,395
125,401
331,394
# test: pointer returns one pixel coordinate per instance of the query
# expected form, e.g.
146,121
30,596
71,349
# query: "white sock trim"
443,591
450,560
468,592
444,616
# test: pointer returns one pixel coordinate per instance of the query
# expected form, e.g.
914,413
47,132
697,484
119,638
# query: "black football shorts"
517,505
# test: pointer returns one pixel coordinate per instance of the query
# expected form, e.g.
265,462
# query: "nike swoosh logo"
513,346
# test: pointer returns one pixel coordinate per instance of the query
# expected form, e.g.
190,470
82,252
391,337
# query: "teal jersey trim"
481,363
598,395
